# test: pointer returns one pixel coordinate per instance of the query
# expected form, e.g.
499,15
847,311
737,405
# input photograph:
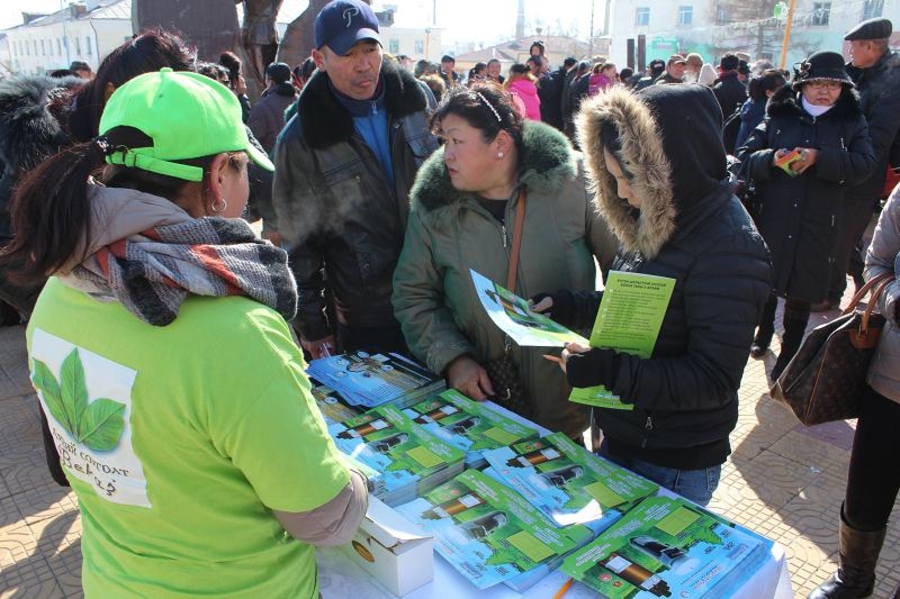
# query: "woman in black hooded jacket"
658,166
800,211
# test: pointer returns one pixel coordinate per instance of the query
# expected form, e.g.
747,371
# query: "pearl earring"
499,154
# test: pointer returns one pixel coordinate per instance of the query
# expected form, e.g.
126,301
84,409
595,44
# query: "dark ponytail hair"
50,209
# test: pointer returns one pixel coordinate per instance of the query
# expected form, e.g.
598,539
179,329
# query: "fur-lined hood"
325,122
546,160
671,144
786,103
30,112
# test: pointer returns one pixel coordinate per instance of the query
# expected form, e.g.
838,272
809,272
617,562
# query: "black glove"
563,309
596,367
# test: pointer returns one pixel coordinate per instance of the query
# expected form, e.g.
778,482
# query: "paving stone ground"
783,480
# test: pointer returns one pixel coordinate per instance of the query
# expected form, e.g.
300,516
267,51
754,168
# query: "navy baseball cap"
342,23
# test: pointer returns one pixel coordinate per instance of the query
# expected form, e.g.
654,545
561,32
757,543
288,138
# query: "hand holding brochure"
513,314
630,316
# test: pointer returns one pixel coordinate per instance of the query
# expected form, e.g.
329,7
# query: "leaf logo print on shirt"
98,424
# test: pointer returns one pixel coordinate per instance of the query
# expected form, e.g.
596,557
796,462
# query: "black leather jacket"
337,212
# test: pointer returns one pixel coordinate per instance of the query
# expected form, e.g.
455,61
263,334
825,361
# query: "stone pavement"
783,480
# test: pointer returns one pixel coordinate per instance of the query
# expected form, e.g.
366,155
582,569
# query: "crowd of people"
381,182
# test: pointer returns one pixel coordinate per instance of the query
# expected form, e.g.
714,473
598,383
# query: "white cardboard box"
396,552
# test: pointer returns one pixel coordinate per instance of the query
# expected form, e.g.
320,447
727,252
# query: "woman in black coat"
820,117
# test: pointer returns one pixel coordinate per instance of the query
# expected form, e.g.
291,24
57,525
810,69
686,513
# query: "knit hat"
342,23
185,115
824,65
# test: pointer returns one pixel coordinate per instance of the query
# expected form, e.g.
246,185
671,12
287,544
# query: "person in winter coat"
521,83
659,167
753,111
730,92
464,204
873,480
190,452
603,76
267,116
820,116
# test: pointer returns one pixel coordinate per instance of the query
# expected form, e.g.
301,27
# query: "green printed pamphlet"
630,316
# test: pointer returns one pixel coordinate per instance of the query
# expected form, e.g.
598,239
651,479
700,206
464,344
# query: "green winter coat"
449,232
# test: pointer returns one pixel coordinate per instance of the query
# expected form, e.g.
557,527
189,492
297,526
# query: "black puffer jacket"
336,208
799,216
692,229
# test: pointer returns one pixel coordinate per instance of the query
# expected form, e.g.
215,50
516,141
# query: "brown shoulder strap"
516,241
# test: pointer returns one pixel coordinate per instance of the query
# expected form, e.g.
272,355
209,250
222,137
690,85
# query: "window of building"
34,43
821,13
420,47
43,50
685,15
58,47
641,16
78,46
872,9
394,46
87,46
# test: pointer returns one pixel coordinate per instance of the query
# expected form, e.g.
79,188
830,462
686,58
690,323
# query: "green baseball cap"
187,115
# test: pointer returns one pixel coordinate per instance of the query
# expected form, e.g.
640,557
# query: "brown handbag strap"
885,281
516,241
882,278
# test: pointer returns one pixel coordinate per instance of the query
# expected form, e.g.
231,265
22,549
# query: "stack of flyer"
329,402
407,459
370,380
667,547
489,533
468,425
568,483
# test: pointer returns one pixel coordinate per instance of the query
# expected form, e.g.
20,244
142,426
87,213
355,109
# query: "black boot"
796,317
858,553
766,329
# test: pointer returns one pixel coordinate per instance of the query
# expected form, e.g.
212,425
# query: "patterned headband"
489,105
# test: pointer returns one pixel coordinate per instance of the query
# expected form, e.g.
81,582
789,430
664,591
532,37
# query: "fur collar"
325,122
645,158
786,103
29,129
547,159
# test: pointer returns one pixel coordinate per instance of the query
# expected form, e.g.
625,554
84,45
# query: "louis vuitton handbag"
503,371
826,379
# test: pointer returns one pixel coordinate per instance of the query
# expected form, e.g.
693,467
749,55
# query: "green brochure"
630,316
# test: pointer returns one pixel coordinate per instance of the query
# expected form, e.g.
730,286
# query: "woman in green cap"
163,361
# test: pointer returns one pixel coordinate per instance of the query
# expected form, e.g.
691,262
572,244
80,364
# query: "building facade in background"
756,27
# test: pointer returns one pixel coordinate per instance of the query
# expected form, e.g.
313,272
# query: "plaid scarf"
151,273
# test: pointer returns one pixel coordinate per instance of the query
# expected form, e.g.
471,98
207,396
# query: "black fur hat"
821,65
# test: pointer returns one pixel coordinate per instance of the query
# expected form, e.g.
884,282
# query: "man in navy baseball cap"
343,23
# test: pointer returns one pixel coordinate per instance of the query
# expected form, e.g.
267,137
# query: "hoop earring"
219,205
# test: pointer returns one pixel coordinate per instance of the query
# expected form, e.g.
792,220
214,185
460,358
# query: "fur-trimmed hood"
546,159
786,103
30,112
671,143
325,122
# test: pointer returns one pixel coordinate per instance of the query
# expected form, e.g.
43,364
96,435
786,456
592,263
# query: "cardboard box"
393,550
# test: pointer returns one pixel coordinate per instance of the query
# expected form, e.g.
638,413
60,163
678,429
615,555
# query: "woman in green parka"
464,203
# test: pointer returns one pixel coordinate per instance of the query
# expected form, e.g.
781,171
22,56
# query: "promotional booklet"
630,316
488,532
407,458
667,547
468,425
329,402
370,380
569,484
512,314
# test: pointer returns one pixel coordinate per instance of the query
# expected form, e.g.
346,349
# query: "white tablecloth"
341,578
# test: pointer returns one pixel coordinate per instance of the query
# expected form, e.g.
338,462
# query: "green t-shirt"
180,440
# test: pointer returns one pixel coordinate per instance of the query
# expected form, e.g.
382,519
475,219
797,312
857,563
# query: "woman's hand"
571,348
468,377
320,348
808,157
